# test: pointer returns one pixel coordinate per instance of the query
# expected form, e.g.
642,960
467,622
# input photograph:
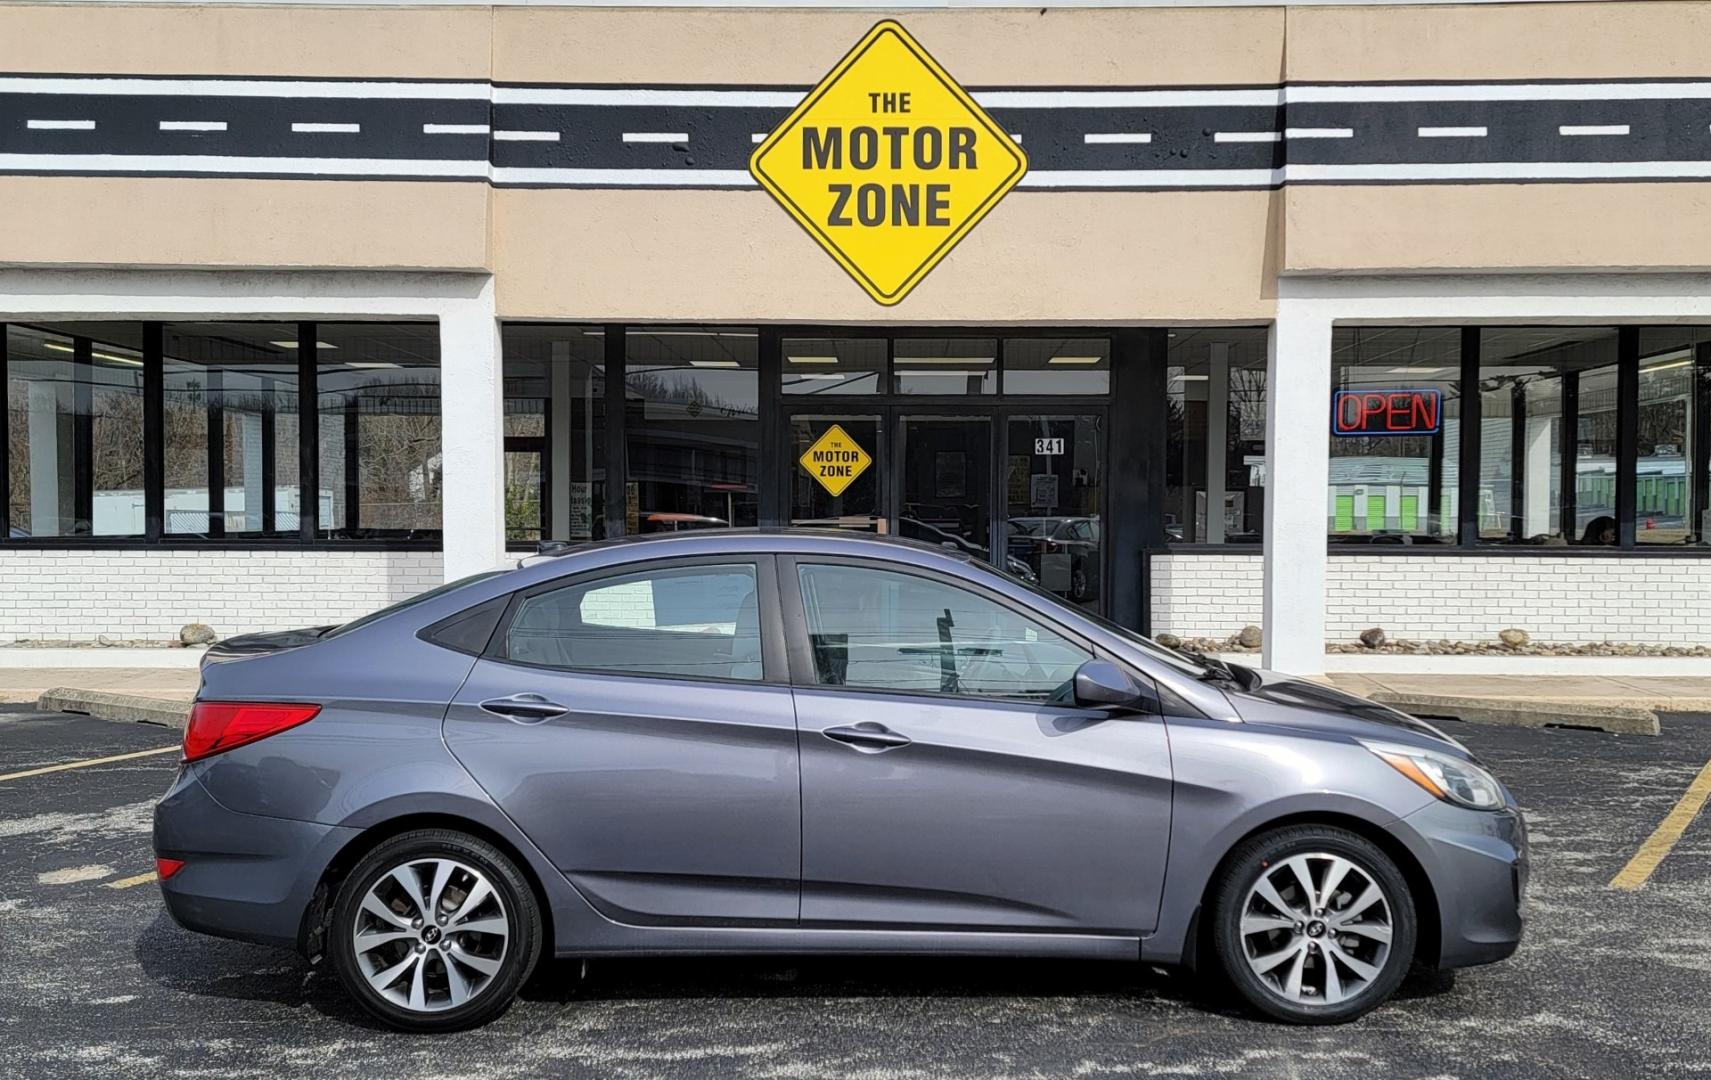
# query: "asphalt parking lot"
98,981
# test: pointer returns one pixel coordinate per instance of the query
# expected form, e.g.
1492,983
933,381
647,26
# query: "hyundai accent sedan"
812,743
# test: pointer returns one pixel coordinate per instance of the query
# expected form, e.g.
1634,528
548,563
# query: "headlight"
1449,778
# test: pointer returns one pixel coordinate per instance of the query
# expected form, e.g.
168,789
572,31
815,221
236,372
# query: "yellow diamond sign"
888,163
835,460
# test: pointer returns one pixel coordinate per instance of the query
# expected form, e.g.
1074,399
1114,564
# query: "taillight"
165,868
217,726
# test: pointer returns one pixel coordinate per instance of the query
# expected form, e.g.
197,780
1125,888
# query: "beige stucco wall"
226,39
1498,227
1023,47
1039,257
1623,39
214,222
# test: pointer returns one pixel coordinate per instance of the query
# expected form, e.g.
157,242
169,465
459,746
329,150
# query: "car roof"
800,541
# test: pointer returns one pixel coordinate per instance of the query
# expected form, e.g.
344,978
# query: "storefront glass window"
1396,392
242,376
1215,436
692,400
945,366
74,400
380,460
1669,484
1057,366
1530,380
830,367
555,432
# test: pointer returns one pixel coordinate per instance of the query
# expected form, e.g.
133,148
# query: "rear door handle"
867,736
525,708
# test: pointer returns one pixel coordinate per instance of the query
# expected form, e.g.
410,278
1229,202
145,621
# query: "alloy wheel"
431,934
1316,929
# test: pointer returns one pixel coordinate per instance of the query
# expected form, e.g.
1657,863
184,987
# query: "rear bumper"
1477,862
245,876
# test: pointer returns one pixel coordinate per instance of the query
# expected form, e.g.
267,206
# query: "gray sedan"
798,742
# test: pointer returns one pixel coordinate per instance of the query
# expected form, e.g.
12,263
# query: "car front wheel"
1313,924
434,930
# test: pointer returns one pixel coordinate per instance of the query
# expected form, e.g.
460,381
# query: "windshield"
411,602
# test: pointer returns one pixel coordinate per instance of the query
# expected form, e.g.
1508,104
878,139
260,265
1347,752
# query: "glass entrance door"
945,481
821,498
1053,466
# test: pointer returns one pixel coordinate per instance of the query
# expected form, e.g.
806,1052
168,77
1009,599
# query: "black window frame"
154,534
1467,543
774,666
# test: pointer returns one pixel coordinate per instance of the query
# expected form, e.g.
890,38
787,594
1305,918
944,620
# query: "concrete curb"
1524,712
106,705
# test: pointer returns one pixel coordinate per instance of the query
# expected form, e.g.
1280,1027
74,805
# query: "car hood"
1288,701
236,648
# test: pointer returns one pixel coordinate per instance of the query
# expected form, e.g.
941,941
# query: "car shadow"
195,964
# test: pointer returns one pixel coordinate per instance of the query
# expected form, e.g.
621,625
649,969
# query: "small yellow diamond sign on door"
888,163
835,460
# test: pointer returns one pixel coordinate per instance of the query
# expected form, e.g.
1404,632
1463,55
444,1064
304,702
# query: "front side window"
693,622
1215,436
893,631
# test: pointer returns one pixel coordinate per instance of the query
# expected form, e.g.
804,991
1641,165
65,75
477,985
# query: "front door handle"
524,708
867,736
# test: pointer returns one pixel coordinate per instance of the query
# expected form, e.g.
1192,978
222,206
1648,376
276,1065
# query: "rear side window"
694,622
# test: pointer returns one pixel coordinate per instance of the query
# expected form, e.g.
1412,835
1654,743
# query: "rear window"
419,598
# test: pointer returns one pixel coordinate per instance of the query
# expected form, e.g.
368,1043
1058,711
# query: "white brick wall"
1206,595
75,595
1637,601
1555,599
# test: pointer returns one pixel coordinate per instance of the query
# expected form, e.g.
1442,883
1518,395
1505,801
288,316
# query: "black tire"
1265,854
520,951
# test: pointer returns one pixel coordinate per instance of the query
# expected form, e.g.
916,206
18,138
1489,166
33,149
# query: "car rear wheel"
1313,924
434,930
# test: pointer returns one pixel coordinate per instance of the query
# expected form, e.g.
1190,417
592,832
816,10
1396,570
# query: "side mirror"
1100,684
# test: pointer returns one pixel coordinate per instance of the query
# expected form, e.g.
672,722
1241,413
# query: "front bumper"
245,876
1478,867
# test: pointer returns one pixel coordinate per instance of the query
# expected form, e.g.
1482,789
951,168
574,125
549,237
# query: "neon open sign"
1387,412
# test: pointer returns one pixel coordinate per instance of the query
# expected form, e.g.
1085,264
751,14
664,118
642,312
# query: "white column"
1297,441
472,443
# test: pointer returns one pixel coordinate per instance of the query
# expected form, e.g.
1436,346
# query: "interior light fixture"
128,361
819,376
293,344
944,359
1194,378
714,363
1667,366
370,364
1420,371
1076,360
939,374
812,359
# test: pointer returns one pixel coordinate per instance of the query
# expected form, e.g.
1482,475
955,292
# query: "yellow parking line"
127,882
1663,838
88,763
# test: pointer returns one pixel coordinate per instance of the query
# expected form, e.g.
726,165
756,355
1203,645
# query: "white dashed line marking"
455,129
656,136
1453,133
326,129
1318,133
193,125
525,136
1593,129
60,125
1098,137
1247,136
